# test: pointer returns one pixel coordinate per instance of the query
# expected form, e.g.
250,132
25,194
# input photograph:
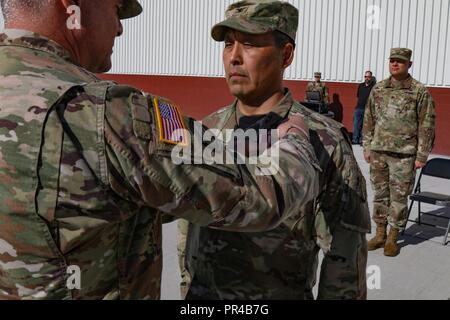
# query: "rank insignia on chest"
172,128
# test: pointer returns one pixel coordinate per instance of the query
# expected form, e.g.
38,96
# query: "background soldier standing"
85,164
318,86
259,38
398,136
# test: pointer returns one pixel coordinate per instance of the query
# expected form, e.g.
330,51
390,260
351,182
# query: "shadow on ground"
418,233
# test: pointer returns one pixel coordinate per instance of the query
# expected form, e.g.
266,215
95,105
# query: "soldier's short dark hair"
281,39
8,6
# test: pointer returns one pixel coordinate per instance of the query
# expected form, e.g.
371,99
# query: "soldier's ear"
288,54
410,64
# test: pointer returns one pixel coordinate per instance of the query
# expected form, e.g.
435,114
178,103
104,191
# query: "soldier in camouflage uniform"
319,86
280,263
85,164
399,131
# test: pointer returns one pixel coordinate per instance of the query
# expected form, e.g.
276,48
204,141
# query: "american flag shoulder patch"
172,128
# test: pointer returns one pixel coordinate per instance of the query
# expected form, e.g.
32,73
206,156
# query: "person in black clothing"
363,93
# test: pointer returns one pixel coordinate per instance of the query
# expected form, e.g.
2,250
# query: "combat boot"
380,238
391,249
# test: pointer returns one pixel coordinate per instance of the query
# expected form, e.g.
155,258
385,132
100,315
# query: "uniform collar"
404,84
282,108
28,39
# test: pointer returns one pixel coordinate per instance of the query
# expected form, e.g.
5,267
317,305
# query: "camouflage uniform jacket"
83,173
400,118
282,263
319,87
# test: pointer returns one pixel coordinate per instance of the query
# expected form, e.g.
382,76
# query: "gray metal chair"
438,168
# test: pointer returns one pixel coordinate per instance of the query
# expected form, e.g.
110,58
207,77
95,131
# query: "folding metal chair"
438,168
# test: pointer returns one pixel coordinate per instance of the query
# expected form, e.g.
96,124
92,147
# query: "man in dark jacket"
363,93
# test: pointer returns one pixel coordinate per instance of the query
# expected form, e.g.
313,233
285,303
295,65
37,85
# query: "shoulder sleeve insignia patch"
171,125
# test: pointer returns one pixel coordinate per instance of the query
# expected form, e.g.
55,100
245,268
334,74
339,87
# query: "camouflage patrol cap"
401,53
258,17
317,74
130,9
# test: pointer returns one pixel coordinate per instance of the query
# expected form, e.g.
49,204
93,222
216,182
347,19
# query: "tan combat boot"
391,248
379,240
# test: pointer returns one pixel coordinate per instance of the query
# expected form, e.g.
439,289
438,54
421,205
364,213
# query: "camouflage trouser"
392,177
343,270
183,226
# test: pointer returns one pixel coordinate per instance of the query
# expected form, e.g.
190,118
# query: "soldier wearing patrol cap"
318,86
259,41
130,9
399,131
85,164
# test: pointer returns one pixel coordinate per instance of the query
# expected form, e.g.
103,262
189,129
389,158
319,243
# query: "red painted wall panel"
199,96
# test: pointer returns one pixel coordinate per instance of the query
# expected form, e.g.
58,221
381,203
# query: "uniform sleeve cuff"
422,158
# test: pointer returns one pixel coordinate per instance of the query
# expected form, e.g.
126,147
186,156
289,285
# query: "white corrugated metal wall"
341,38
172,38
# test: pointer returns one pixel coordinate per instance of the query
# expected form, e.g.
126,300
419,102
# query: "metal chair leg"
446,234
420,211
407,217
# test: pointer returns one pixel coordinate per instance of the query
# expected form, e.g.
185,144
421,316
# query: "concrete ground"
420,272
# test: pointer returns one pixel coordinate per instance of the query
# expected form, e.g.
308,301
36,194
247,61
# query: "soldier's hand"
295,124
419,165
367,156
